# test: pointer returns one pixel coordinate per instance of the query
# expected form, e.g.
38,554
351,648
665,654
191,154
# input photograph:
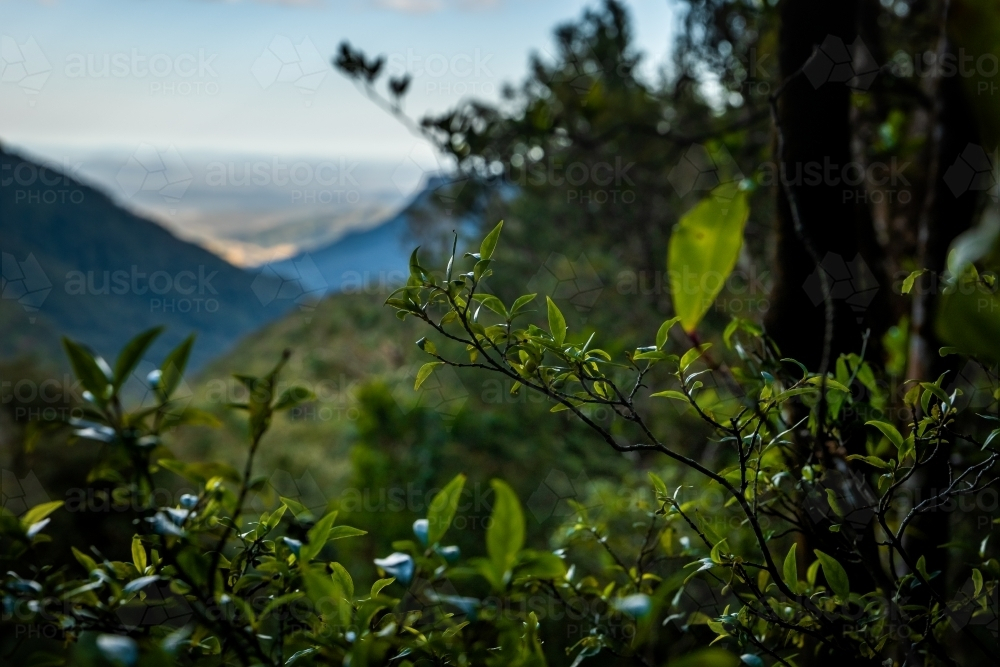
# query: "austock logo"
974,170
550,499
836,62
151,170
443,392
842,497
285,62
976,604
155,605
568,283
24,282
23,64
17,496
703,169
297,280
852,282
281,484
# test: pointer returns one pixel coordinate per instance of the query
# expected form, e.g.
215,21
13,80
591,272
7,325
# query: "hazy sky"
255,76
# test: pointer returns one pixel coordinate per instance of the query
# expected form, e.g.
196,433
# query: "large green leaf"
505,536
130,355
442,509
969,320
704,247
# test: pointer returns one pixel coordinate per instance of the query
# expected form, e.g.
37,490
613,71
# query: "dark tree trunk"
815,121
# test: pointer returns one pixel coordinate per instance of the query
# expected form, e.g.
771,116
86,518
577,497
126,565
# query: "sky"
232,77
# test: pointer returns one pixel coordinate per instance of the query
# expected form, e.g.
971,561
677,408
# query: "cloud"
431,6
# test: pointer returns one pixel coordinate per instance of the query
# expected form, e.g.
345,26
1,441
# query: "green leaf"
888,430
293,396
343,579
835,575
692,355
521,302
340,532
922,568
442,509
505,536
871,460
977,582
380,584
659,485
39,512
557,323
318,536
425,372
671,393
831,499
132,353
703,250
490,242
327,595
87,370
664,331
138,554
173,367
908,282
493,303
968,320
790,569
718,550
83,559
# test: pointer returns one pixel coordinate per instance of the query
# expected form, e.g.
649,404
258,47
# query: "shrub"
776,546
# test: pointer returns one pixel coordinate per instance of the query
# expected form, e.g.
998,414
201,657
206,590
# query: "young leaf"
692,355
138,554
490,242
521,302
83,559
671,393
505,536
908,282
425,372
831,499
664,330
173,367
493,303
790,569
557,323
86,369
704,247
658,484
835,575
318,537
343,578
442,509
39,512
293,396
889,431
132,353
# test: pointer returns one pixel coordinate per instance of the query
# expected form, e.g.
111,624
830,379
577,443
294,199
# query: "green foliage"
268,588
703,250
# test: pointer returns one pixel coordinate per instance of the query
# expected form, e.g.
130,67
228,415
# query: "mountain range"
76,263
